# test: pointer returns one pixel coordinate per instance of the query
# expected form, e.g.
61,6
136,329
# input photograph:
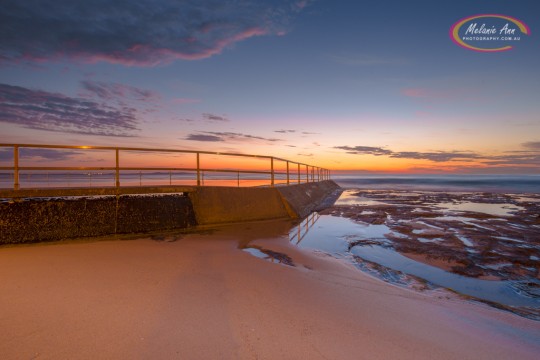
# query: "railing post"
307,174
238,178
272,170
117,175
299,178
198,170
288,182
16,184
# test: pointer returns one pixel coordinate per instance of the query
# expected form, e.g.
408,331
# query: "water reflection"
349,197
298,232
269,255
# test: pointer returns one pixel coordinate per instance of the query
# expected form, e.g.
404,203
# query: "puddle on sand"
344,238
269,255
486,208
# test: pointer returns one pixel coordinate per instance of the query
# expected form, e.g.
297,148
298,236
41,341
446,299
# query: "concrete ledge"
95,191
48,219
302,199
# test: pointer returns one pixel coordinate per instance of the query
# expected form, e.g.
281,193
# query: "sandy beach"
199,296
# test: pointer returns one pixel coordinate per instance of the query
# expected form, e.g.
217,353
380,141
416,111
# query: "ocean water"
454,183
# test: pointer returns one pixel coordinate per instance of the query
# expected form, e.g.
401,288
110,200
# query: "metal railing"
293,172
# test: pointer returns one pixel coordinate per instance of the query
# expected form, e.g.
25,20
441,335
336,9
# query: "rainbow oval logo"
488,32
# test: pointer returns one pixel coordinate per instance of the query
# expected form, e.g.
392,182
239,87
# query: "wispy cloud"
425,93
533,145
39,154
204,137
115,91
309,133
185,101
141,33
301,4
285,131
437,156
217,136
532,158
366,60
444,95
42,110
364,150
212,117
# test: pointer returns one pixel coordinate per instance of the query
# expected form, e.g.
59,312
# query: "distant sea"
454,183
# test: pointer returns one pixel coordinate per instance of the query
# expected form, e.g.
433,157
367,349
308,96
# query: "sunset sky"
373,86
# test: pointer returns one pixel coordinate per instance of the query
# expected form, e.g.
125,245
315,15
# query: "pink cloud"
436,97
115,91
185,101
301,4
430,93
148,55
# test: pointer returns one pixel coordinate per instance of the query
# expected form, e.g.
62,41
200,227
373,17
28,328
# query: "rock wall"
35,219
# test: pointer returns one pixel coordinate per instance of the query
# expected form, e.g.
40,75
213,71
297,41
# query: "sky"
365,86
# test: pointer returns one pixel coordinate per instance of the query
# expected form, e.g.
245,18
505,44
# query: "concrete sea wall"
48,219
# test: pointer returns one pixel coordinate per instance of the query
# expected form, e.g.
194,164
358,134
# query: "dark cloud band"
142,32
217,136
438,156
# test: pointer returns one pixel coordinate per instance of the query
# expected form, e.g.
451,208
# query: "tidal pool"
346,239
486,208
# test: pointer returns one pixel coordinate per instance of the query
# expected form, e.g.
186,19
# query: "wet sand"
199,296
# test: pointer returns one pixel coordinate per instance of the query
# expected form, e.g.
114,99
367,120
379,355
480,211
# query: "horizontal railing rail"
293,172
